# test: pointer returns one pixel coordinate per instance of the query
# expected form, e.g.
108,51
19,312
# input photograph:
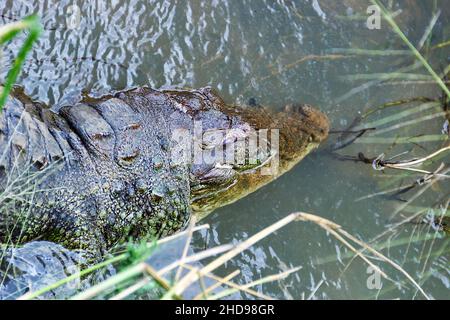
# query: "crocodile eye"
211,139
129,157
131,126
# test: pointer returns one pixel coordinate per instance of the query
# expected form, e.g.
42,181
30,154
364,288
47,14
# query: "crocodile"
95,173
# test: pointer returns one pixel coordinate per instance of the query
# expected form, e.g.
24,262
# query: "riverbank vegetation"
406,168
410,159
8,32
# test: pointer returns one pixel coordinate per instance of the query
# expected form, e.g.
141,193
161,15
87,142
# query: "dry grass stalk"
387,260
180,234
197,257
186,246
444,209
179,263
131,289
192,276
32,295
328,225
111,282
217,284
313,293
157,277
415,162
421,191
332,230
270,278
196,274
224,281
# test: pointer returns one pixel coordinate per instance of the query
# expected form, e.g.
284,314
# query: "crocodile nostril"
302,109
305,110
288,108
252,102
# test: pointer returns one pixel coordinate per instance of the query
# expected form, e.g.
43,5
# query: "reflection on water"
276,52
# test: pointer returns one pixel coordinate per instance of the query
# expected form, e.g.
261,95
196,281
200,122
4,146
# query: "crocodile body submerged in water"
94,174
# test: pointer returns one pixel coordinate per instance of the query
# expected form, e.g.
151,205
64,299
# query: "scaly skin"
103,169
38,264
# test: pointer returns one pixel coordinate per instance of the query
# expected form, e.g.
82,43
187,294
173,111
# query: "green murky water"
276,52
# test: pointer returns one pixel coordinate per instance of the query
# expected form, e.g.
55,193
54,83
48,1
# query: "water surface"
275,52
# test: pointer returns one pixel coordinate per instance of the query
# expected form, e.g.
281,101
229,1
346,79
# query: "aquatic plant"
136,275
143,275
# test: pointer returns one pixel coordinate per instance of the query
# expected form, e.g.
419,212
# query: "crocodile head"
237,150
122,177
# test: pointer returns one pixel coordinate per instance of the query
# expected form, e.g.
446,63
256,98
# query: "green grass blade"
7,33
413,49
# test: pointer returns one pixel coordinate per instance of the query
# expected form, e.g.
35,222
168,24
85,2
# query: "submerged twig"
418,55
311,57
429,28
423,190
395,103
348,140
379,163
